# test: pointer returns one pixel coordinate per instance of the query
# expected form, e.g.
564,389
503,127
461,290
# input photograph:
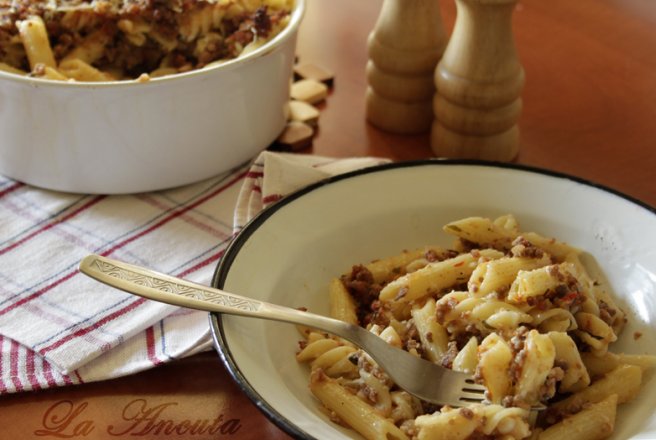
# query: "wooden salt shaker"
404,47
479,82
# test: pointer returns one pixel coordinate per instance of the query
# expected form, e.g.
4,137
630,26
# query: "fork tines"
471,392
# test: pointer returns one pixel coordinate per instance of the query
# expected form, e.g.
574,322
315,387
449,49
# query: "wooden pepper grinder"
478,85
404,47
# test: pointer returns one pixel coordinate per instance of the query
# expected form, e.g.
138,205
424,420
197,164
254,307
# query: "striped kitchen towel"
58,327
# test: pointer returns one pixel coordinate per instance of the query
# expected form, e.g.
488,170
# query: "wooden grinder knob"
404,48
478,85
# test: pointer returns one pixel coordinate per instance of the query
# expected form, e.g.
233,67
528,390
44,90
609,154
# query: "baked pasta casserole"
107,40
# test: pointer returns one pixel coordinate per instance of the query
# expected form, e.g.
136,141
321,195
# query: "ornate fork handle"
167,289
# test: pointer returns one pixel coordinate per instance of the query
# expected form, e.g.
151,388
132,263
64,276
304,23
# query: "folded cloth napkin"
59,327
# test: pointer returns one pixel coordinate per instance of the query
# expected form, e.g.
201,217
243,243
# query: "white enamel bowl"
288,254
127,137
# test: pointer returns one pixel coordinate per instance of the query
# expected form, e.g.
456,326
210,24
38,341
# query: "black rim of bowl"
222,269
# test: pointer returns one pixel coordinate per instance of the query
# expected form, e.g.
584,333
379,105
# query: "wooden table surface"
589,111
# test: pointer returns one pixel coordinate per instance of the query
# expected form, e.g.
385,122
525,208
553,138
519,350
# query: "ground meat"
566,295
540,302
467,245
429,336
559,291
449,355
554,415
462,336
364,289
262,22
431,256
606,313
561,364
525,249
413,344
212,49
409,429
39,69
370,394
332,415
412,332
448,253
548,390
65,43
241,38
507,401
516,366
555,272
442,308
467,413
429,408
517,343
515,402
378,313
361,284
517,340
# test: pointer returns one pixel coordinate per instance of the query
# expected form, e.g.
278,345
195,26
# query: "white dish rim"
221,271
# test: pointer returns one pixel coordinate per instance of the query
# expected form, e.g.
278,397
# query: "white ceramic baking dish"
127,137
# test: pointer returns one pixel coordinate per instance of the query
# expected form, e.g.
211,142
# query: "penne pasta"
435,277
342,305
80,70
495,355
51,73
4,67
596,422
482,231
90,49
315,349
352,410
575,375
522,315
536,365
538,282
433,336
328,354
35,40
386,269
335,361
600,365
498,275
557,249
466,360
624,382
477,421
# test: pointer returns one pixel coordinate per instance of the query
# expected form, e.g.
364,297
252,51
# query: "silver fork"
426,380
